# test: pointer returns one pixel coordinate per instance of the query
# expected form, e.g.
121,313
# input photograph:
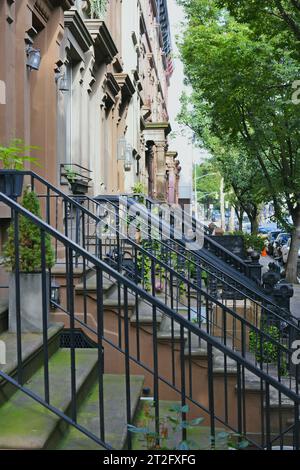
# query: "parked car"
281,240
272,235
263,230
285,251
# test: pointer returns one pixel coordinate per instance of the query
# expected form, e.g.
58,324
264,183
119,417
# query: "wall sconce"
125,153
128,158
55,295
63,82
121,148
33,58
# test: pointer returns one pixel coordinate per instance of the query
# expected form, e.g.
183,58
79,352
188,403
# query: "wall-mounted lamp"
125,153
33,58
121,148
128,158
63,82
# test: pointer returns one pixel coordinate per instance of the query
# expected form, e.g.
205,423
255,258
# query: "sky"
181,138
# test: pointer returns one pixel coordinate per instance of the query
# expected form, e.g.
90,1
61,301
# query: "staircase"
27,425
190,349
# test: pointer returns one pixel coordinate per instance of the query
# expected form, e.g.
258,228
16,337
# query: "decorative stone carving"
105,48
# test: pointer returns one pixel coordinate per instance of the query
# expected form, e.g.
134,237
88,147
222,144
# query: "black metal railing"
211,244
192,289
228,390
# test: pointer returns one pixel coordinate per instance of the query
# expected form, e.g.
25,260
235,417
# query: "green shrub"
29,240
251,241
265,350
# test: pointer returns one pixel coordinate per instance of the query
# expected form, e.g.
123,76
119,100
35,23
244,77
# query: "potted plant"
78,184
30,266
13,158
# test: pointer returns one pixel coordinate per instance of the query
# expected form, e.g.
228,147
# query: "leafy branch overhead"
97,8
242,60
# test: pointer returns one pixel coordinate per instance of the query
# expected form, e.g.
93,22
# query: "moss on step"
32,355
115,414
24,423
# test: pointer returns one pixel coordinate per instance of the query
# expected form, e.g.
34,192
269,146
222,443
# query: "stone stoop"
27,425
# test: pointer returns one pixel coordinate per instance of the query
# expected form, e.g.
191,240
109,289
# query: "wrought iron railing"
221,390
225,311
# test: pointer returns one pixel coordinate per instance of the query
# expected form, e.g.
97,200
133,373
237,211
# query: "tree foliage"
242,67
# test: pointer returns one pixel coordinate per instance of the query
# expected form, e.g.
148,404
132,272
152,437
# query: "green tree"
207,183
242,177
242,81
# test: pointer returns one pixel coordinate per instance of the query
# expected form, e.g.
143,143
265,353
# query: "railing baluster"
267,415
183,384
45,307
211,398
100,332
70,289
15,218
127,364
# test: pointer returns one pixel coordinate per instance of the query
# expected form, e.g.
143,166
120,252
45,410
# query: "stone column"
160,175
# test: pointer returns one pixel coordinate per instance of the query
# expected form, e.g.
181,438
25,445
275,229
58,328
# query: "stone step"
115,414
91,285
145,319
32,355
24,423
59,270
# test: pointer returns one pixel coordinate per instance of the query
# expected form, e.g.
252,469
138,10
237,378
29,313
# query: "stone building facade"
100,93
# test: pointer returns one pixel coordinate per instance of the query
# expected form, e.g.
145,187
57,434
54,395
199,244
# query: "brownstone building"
81,79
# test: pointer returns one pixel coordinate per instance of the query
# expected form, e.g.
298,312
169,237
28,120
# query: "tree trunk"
231,220
254,225
241,223
240,216
222,204
292,263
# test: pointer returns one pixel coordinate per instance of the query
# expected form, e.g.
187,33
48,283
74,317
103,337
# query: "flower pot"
31,301
79,187
11,183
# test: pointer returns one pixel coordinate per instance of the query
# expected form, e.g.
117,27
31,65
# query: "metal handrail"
261,333
88,213
157,305
263,297
217,245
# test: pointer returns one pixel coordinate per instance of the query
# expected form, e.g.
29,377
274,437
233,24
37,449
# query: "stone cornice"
166,126
125,84
112,84
105,48
76,25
